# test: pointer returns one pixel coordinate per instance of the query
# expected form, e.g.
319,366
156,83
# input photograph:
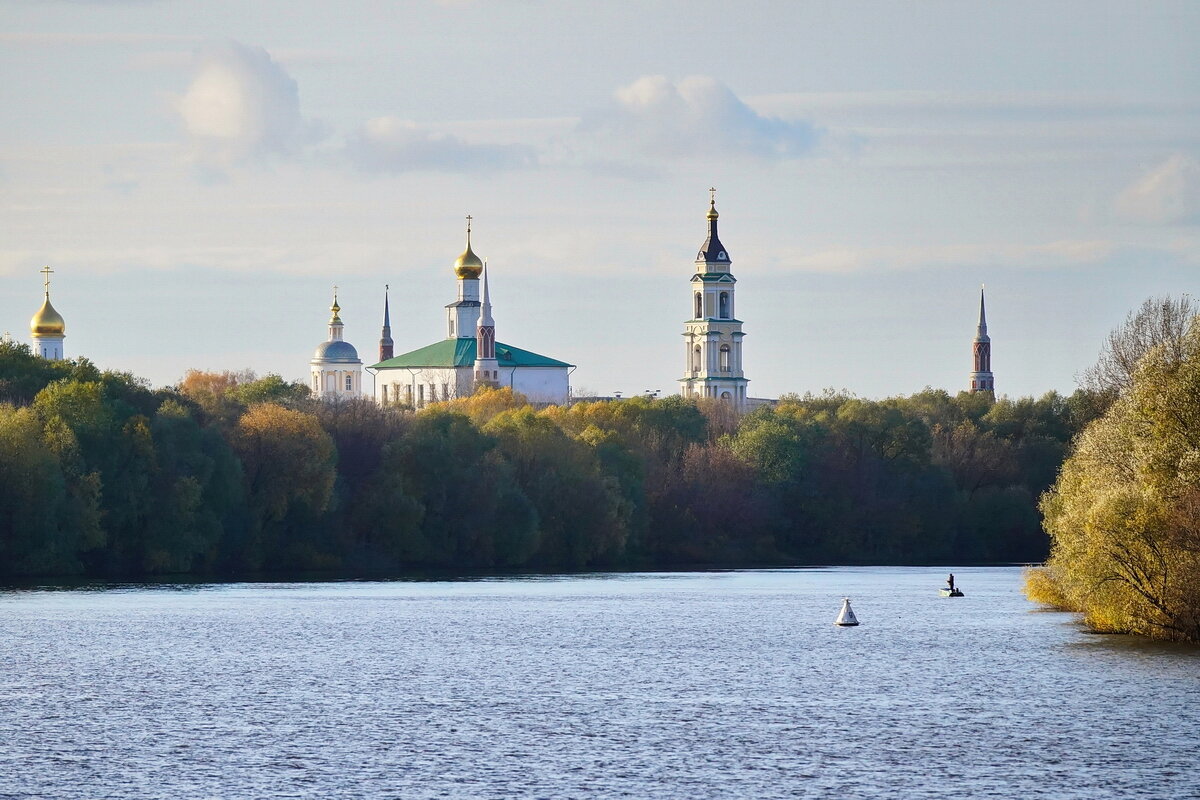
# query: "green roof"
461,353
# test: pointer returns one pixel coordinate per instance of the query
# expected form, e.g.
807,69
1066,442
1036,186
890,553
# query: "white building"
469,356
47,326
335,367
713,336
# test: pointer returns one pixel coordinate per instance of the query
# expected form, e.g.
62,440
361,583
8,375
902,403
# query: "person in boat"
950,581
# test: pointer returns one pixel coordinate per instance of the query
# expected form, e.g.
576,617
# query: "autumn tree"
1124,515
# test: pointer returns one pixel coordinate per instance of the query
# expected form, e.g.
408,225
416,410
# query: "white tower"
713,336
462,314
335,366
47,326
487,369
982,379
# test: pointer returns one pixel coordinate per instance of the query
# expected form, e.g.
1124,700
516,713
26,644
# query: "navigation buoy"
846,618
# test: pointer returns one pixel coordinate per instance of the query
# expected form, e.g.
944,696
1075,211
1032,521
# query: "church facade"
712,338
469,356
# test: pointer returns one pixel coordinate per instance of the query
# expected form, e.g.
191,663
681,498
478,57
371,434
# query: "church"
469,356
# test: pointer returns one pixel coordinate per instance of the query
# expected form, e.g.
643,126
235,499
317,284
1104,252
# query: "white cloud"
1168,193
696,116
241,104
390,144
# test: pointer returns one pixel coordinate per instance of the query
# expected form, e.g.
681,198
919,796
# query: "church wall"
539,384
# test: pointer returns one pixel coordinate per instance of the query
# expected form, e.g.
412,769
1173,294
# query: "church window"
721,256
696,358
420,394
445,391
384,395
725,358
316,383
699,306
724,305
726,396
349,383
451,329
408,395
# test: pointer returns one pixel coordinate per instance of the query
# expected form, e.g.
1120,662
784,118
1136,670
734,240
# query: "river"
654,685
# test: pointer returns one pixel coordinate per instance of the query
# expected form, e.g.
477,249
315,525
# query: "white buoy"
846,618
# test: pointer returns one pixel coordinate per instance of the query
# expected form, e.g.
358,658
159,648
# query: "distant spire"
982,314
386,345
982,379
486,369
712,251
485,311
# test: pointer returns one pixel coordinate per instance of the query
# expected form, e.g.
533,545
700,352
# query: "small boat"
955,592
846,618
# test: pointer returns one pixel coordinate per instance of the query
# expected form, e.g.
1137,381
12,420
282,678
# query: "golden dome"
468,265
712,204
47,321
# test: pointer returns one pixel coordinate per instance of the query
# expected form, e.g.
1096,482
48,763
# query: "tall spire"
485,313
982,329
487,370
982,379
386,345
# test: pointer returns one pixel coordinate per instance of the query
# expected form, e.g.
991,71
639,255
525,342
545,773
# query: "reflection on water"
726,684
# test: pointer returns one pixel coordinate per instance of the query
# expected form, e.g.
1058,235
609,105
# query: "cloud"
1168,193
390,144
241,105
697,116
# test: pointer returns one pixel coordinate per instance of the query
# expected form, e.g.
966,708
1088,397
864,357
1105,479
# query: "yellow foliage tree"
1124,515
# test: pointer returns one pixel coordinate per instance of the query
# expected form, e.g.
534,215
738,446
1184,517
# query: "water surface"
732,684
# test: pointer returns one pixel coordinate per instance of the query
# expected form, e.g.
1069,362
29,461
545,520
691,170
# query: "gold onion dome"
712,209
468,265
47,321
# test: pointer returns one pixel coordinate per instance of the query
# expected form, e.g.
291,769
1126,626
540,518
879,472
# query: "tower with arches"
713,335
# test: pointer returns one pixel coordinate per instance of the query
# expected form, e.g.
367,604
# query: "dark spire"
712,251
386,345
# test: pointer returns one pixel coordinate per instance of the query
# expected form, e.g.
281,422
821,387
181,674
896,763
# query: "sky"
199,174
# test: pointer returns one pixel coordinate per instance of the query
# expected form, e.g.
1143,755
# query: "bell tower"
982,379
713,335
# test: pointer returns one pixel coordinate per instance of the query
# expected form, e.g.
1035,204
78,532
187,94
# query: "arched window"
349,383
726,396
724,358
699,306
696,358
724,305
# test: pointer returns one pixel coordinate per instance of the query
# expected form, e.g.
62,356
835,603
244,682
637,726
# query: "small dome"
47,321
468,265
335,351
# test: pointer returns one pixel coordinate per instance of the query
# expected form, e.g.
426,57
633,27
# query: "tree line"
229,474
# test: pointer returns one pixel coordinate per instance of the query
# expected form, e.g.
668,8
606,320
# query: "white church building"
335,368
469,356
